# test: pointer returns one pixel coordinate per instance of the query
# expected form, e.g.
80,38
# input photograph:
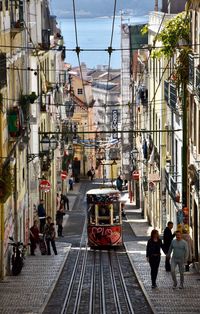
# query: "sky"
94,8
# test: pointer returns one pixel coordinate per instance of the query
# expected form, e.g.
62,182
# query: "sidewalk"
30,291
164,299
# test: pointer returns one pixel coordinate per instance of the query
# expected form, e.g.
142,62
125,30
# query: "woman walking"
153,254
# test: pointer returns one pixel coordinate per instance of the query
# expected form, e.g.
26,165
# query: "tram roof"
102,191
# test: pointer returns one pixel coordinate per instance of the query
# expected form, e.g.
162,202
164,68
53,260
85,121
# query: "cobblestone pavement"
163,299
30,291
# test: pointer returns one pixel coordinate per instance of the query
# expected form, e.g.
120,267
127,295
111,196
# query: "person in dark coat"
167,239
41,215
49,236
153,254
59,219
34,236
65,200
119,183
92,173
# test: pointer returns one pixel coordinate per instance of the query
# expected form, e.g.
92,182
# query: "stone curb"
55,282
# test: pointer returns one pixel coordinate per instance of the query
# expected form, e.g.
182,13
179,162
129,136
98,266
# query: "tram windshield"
103,207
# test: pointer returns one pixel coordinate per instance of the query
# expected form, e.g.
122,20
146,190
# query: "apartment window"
196,31
195,124
199,133
191,117
176,157
3,71
80,91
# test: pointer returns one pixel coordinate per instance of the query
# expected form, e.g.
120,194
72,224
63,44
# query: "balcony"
167,179
191,71
46,39
3,76
43,104
173,189
166,91
193,62
171,185
172,96
197,83
17,17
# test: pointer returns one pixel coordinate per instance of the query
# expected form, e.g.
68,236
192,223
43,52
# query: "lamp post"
133,156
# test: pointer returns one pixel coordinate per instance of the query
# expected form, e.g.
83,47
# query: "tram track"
99,284
97,281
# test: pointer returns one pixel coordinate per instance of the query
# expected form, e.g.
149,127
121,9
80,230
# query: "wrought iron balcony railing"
197,83
191,71
166,90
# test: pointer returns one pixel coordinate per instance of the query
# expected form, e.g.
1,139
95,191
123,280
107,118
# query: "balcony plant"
25,101
175,41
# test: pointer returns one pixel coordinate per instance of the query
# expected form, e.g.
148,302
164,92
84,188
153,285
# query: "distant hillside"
97,8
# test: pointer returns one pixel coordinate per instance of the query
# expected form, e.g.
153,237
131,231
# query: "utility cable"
78,50
110,52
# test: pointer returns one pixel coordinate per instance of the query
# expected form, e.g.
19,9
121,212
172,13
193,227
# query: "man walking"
167,239
179,248
65,200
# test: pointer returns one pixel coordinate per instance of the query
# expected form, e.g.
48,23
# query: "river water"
94,34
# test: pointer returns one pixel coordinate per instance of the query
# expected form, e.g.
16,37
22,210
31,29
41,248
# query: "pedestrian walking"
58,199
92,173
167,239
188,239
153,254
41,215
65,200
34,237
89,174
119,183
59,219
179,250
49,235
123,210
71,184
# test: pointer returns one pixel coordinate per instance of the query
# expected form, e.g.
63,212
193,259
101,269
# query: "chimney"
156,6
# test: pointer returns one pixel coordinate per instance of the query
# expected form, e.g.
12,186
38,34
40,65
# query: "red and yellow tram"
104,217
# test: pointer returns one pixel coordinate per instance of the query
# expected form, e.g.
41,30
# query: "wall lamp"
48,145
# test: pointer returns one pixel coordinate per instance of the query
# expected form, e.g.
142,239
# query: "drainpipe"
2,241
184,151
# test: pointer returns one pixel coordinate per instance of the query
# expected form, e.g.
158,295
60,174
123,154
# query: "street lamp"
53,142
45,144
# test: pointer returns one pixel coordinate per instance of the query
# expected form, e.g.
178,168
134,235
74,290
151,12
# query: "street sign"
45,185
135,175
63,175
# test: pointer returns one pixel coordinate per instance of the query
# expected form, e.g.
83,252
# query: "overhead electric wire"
96,49
78,50
110,52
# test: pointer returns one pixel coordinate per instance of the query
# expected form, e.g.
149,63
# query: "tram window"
91,214
104,214
116,213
